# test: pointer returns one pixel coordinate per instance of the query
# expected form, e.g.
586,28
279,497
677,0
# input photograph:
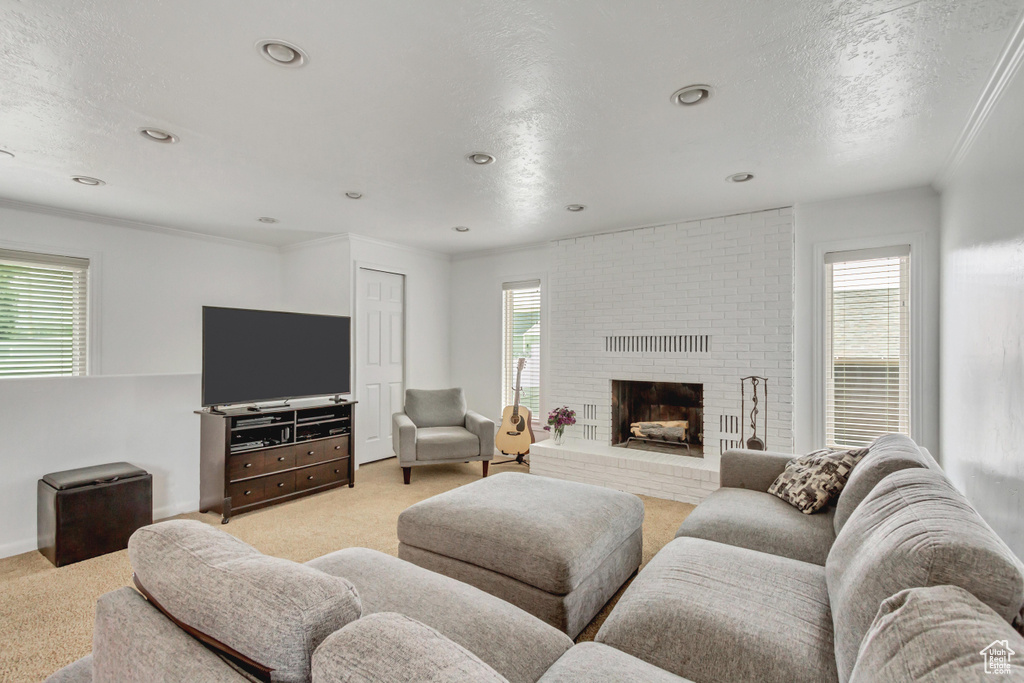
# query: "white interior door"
380,360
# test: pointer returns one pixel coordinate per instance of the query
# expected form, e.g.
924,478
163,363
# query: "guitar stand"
518,459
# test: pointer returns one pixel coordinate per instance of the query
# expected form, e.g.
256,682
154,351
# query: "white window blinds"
867,338
43,320
521,339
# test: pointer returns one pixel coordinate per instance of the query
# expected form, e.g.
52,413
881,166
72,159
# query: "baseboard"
30,544
174,509
17,547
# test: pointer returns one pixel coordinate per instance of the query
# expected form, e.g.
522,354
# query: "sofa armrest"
403,437
391,648
754,470
133,642
484,430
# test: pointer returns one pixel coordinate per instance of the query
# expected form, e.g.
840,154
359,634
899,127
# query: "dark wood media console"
252,459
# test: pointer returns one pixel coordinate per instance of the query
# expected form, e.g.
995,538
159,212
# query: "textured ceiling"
819,99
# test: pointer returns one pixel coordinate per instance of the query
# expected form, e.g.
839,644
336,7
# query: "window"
867,341
521,339
43,318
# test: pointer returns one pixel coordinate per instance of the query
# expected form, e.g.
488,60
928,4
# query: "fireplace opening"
658,416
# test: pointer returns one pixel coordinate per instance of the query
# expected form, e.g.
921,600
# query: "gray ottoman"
557,549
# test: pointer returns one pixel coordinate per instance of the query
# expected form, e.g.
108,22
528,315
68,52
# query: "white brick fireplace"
705,302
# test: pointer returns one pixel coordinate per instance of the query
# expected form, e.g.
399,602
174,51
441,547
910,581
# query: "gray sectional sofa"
900,580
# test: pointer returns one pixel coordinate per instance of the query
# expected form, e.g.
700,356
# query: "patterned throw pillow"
811,481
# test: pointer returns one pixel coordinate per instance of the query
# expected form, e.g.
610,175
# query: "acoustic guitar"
515,433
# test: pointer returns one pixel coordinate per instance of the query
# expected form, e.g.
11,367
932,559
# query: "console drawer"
246,492
280,484
312,477
245,465
337,470
279,459
309,453
336,447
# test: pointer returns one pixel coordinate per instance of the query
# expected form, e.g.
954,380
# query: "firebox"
658,416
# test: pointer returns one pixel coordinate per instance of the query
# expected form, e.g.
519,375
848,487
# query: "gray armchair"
436,428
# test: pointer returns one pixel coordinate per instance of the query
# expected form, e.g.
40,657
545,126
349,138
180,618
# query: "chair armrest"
403,437
754,470
484,430
391,648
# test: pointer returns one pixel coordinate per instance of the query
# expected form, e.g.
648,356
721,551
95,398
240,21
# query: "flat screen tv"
251,356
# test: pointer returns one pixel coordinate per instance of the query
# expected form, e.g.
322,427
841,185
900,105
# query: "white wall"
148,289
60,423
855,223
316,277
982,367
476,321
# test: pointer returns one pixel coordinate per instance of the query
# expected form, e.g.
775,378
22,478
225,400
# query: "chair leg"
407,473
486,465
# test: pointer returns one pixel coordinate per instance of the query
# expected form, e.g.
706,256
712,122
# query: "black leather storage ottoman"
91,511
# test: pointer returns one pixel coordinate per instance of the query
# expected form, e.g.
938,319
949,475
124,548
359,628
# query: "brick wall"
729,278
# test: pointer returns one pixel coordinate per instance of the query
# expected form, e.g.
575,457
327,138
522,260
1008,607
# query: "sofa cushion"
809,482
888,454
392,648
914,530
446,443
274,611
436,407
597,663
709,611
761,521
547,533
932,635
517,645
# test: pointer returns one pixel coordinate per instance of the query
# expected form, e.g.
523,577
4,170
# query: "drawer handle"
248,464
310,452
310,477
248,492
337,448
280,484
336,471
281,459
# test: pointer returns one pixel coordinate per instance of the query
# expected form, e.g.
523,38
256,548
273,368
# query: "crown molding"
352,237
315,242
681,221
498,251
1005,69
125,223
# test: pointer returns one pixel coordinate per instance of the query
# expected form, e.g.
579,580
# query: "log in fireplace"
658,416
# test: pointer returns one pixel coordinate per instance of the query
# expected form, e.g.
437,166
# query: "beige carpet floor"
46,614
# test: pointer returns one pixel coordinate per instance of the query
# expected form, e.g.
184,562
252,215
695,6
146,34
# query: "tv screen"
251,356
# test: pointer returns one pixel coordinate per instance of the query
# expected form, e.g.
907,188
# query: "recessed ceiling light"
282,53
354,195
740,177
575,208
267,219
691,95
4,152
86,180
460,228
480,158
157,135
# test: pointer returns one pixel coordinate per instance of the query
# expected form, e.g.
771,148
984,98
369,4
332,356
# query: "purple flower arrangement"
560,418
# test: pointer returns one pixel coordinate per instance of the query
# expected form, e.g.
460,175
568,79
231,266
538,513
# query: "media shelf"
250,460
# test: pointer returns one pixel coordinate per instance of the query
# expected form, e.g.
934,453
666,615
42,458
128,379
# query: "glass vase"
559,435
